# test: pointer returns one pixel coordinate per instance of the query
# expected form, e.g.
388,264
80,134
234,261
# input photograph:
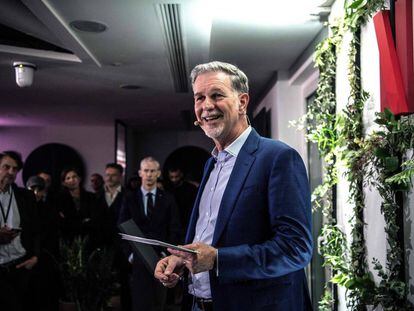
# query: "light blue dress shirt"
210,204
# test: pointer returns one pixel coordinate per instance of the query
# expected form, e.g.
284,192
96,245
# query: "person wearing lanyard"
19,239
251,222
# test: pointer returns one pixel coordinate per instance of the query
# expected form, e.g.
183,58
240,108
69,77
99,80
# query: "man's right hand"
169,270
7,235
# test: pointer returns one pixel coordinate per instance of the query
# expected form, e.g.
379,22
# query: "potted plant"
87,277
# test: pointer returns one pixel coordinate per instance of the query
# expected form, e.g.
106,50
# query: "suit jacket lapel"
158,199
19,201
194,215
115,207
140,204
244,162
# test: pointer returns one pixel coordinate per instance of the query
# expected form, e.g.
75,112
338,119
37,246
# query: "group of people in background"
37,221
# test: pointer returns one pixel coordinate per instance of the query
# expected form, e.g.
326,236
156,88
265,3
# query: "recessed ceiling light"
129,86
88,26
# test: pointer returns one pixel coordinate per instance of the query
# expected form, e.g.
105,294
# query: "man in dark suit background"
251,222
110,201
184,193
155,213
19,238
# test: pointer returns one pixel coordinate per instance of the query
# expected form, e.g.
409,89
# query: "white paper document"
156,243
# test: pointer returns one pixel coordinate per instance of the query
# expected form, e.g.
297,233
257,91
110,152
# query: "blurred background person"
47,177
133,183
97,183
45,280
78,211
184,193
110,201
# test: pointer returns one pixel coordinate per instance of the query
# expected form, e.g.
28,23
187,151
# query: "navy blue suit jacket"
263,230
164,225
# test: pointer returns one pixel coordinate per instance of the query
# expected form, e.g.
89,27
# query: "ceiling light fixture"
88,26
24,73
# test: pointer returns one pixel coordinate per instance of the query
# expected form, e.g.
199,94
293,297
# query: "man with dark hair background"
46,273
110,201
19,239
97,183
184,194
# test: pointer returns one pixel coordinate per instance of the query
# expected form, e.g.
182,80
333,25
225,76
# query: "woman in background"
79,213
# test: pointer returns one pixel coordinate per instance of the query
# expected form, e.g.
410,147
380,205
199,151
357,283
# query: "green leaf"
357,4
337,278
350,283
381,153
391,164
388,114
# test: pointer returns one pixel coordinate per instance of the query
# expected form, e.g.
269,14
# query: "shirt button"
206,214
211,189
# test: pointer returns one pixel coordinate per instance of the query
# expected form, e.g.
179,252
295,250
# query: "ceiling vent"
170,19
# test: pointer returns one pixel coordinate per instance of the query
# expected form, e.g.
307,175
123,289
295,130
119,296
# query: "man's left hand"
28,264
200,262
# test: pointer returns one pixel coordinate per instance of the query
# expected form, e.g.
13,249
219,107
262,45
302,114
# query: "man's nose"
12,171
208,104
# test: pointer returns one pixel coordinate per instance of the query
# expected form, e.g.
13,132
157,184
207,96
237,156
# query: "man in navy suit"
156,214
251,222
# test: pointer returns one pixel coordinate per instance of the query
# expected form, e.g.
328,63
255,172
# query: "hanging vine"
390,175
321,121
360,291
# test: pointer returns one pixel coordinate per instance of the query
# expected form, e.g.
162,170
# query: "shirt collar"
153,191
118,189
234,148
8,190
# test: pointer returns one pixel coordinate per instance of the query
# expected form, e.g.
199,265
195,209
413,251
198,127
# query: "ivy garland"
321,121
375,158
383,151
360,288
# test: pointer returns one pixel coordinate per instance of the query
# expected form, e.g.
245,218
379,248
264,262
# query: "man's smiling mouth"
211,118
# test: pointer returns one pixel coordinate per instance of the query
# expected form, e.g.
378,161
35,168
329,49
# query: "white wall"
287,101
94,143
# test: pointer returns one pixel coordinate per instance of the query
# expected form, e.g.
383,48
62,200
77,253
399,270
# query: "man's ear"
158,173
243,102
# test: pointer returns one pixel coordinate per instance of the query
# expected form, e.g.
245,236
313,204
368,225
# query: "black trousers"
14,285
